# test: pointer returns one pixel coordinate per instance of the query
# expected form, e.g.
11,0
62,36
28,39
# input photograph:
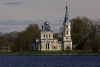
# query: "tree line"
85,34
20,40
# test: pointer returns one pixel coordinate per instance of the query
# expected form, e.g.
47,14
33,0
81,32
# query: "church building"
48,43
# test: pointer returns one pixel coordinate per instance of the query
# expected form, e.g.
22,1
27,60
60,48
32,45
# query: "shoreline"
74,52
46,54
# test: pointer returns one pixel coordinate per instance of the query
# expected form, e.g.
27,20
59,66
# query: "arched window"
49,35
44,35
67,26
47,45
67,32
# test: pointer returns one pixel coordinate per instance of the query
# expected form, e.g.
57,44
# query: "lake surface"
50,61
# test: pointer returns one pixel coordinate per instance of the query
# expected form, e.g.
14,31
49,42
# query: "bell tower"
67,42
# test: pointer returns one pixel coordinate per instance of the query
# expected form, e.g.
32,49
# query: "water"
50,61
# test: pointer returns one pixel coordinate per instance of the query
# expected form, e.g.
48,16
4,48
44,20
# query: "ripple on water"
50,61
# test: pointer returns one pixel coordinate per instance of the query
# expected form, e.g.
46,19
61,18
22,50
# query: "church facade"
48,43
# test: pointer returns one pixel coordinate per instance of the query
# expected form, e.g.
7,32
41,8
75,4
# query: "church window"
48,45
62,46
67,32
49,35
67,26
44,35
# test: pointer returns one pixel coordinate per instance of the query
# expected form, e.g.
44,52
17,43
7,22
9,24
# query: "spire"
66,19
66,6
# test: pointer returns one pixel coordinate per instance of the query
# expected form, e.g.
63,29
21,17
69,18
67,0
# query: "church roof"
66,18
46,26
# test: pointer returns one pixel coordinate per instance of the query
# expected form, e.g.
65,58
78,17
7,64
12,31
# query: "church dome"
50,25
46,23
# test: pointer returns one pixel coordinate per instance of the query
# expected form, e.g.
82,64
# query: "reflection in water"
50,61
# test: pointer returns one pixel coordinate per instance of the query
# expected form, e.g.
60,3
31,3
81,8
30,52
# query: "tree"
78,31
97,43
11,38
26,37
56,35
3,42
83,33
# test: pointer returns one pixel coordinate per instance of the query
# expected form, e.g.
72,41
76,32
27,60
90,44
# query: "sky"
16,15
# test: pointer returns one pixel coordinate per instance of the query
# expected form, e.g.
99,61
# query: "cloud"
59,21
55,30
57,24
6,28
25,12
13,3
11,22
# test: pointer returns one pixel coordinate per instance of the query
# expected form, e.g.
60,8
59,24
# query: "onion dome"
49,24
45,23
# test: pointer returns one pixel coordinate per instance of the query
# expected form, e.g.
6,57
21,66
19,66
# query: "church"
48,43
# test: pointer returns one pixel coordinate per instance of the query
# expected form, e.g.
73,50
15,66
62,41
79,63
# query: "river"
50,61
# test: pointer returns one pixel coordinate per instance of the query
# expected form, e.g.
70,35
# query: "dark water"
50,61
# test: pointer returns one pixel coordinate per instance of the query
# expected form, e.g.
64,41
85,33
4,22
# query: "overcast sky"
15,15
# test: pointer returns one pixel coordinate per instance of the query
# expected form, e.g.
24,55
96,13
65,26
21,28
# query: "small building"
5,49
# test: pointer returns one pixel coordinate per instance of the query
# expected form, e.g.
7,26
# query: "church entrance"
47,45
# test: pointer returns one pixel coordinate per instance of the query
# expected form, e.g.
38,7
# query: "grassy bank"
35,52
50,52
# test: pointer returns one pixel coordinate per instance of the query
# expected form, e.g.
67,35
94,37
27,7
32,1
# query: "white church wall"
68,45
54,45
46,34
